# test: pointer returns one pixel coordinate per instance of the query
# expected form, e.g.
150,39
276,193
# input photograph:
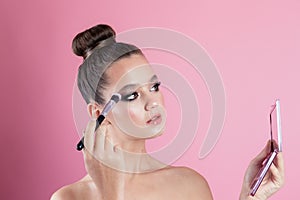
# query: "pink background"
255,45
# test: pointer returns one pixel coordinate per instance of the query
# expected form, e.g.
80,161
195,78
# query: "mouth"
155,120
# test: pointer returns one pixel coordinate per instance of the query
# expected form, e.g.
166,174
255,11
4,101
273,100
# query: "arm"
100,157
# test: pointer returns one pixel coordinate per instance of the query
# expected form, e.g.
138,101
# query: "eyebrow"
133,86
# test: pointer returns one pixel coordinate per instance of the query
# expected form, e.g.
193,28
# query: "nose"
151,103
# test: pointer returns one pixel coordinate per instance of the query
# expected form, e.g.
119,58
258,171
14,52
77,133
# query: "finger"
263,154
277,177
120,153
100,141
109,144
89,136
108,153
274,143
279,162
274,171
108,140
117,149
86,154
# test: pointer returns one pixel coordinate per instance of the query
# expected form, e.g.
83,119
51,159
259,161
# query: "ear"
94,110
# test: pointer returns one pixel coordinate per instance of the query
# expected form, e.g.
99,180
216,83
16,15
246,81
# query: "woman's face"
140,112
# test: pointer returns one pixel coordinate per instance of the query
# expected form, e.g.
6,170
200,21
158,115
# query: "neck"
136,146
137,163
127,142
135,158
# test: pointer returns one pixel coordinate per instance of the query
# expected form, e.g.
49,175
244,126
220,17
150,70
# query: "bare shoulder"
77,190
190,182
66,192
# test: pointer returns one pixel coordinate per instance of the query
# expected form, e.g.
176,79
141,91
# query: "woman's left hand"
273,180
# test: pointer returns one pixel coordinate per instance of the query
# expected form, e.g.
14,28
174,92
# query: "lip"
155,120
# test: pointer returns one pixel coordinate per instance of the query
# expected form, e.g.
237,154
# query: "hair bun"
87,40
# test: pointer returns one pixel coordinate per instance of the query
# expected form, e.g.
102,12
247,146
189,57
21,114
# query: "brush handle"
80,144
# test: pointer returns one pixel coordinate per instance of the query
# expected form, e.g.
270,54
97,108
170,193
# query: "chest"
148,188
152,190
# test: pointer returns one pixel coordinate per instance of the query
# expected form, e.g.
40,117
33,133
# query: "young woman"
118,166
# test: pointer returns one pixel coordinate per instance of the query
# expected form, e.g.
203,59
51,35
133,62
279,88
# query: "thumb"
263,154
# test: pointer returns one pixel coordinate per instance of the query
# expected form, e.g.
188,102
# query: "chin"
155,135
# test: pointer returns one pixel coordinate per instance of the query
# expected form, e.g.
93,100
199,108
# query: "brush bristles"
116,97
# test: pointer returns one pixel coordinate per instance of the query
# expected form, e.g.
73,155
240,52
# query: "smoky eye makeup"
155,86
130,97
132,94
129,92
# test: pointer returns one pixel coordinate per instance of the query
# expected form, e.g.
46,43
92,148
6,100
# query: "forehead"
131,70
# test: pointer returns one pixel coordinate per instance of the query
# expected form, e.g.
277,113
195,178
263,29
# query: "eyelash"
155,86
134,95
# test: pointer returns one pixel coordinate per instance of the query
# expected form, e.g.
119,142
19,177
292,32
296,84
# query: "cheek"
161,99
136,114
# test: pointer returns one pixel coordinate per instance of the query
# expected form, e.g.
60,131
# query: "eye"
155,87
131,97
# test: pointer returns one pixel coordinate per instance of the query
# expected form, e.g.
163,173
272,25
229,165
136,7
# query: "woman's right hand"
103,161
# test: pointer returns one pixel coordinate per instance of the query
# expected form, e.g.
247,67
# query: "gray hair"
92,79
